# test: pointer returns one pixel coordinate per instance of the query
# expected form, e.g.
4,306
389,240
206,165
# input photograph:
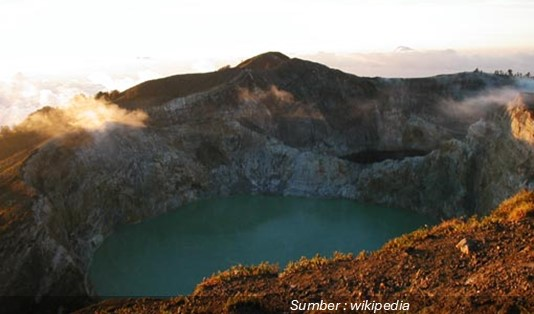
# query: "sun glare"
90,119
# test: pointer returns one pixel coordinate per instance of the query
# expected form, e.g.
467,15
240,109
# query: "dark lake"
168,255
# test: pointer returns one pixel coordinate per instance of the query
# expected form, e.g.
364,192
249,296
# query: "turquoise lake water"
168,255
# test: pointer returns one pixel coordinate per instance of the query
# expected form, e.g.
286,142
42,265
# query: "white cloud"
21,94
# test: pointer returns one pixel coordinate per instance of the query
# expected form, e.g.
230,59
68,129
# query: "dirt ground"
473,266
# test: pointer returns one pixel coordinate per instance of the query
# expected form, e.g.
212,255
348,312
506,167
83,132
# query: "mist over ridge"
21,93
451,145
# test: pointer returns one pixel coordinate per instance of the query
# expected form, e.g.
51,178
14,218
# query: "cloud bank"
22,94
407,62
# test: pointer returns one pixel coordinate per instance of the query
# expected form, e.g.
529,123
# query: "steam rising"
82,113
258,95
476,106
22,94
488,100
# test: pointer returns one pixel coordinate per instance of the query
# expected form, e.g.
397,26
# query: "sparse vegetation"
315,262
408,239
305,263
495,272
223,68
339,256
108,96
510,73
515,208
475,260
239,271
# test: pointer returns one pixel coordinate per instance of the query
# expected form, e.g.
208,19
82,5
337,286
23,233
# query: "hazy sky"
92,45
63,32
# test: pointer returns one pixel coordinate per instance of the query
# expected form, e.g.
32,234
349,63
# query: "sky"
52,50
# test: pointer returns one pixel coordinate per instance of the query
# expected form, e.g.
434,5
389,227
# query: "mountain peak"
402,49
264,61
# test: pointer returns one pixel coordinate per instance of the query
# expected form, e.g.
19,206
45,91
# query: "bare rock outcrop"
273,125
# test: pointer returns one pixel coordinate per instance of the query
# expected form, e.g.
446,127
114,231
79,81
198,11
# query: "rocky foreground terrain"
473,266
450,146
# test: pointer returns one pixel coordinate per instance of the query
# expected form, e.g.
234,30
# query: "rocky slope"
446,145
473,266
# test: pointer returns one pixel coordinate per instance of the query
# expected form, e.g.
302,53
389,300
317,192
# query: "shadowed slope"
473,266
272,126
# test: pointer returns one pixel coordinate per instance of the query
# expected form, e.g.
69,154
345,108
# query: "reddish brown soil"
493,274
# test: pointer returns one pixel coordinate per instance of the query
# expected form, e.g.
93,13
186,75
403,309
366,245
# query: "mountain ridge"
281,130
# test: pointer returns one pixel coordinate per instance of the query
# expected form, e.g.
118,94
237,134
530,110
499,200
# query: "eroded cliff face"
458,266
290,128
